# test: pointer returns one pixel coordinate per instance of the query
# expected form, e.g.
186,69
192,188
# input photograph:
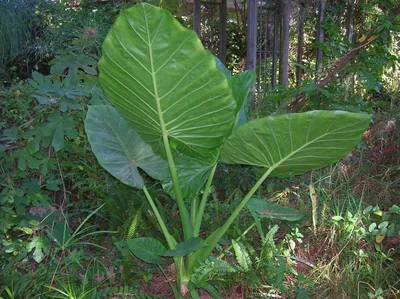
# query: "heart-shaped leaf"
264,208
163,81
119,149
292,144
148,250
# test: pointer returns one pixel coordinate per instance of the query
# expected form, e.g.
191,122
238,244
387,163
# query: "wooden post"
275,46
197,16
222,34
251,55
320,36
284,44
350,35
300,45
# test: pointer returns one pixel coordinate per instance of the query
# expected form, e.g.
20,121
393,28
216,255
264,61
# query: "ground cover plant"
181,115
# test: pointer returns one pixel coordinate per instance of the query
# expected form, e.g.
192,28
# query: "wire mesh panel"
211,23
267,45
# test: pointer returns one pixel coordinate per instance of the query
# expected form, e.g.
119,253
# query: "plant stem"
200,212
193,212
183,211
213,239
170,240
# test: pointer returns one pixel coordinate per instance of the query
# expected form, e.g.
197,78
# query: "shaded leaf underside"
119,149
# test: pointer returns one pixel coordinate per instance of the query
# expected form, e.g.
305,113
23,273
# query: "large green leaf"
148,250
119,149
192,174
160,77
292,144
264,208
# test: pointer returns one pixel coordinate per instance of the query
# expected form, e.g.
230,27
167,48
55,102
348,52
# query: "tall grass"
14,30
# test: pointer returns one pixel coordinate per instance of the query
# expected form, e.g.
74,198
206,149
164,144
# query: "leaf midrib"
154,81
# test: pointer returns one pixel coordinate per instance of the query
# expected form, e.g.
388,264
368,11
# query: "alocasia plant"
182,113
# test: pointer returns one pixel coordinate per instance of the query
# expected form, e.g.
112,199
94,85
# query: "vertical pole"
222,34
320,36
197,16
350,35
300,45
251,55
284,44
259,48
275,46
265,46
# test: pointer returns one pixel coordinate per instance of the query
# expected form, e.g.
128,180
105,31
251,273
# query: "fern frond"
212,291
268,246
134,224
242,255
124,292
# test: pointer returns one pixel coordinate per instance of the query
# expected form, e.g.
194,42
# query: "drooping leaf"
240,85
184,248
264,208
148,250
119,149
192,174
223,68
157,73
292,144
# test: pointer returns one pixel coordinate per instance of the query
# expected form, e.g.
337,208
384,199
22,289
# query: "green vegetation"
137,169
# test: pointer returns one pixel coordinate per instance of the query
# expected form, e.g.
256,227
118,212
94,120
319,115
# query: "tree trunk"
350,34
284,44
197,16
300,45
222,34
275,47
251,55
320,36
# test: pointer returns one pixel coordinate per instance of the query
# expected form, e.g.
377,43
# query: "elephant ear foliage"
119,149
163,81
292,144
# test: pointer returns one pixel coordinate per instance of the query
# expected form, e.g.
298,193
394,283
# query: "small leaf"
337,218
187,247
39,244
383,225
395,209
371,227
273,211
148,250
379,238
